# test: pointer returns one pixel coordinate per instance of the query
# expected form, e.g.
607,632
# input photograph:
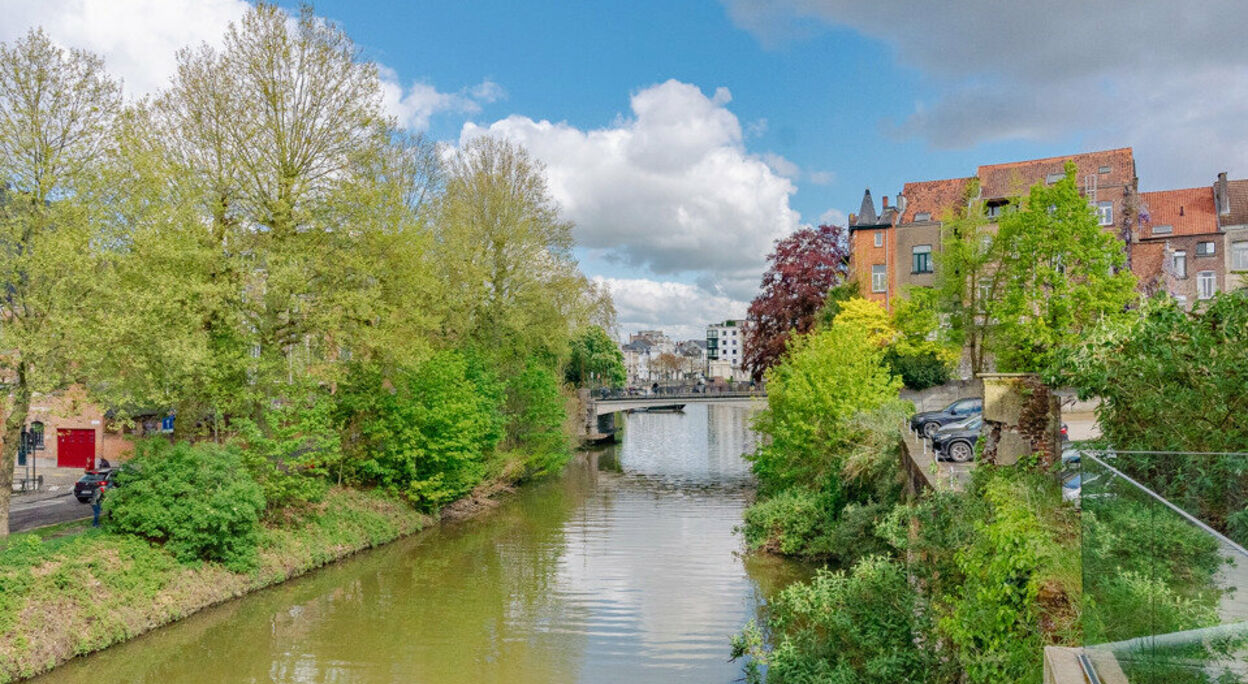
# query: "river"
624,569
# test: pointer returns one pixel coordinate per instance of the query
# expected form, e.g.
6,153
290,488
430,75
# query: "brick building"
897,248
1179,246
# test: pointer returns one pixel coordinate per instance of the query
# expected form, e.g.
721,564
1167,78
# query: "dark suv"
956,441
90,480
928,422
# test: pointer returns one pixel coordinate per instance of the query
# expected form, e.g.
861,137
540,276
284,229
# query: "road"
48,511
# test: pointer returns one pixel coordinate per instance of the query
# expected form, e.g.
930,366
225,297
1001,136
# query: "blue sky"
683,138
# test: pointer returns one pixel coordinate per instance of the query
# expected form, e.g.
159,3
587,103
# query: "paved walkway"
938,474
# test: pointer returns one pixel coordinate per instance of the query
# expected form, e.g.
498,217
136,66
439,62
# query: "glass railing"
1165,584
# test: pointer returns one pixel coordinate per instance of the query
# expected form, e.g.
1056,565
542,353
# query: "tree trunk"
13,424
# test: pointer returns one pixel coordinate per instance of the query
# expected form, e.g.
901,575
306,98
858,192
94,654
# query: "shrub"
295,449
198,500
918,371
536,408
425,432
828,377
866,625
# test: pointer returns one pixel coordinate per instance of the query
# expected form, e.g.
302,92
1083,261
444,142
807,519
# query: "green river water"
625,569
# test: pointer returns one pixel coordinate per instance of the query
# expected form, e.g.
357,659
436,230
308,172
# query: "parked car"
956,441
90,480
928,422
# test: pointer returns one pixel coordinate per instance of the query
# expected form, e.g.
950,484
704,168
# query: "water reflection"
626,569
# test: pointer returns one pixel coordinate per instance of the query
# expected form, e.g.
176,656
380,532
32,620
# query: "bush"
867,625
297,449
537,415
427,432
198,500
827,378
918,371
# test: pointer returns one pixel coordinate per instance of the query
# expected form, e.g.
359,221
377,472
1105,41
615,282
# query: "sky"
684,138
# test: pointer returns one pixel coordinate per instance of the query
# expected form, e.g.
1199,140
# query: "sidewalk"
56,481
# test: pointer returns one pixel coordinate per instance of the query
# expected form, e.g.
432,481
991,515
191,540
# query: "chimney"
1222,195
885,202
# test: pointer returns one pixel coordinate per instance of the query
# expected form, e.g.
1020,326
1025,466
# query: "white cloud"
1164,77
138,39
671,189
833,217
821,177
415,105
782,166
680,309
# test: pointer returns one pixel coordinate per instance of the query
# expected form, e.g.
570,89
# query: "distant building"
1179,247
725,350
1232,201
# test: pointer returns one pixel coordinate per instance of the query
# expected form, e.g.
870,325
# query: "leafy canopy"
804,267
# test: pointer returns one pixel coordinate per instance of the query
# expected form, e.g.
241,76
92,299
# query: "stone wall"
1022,416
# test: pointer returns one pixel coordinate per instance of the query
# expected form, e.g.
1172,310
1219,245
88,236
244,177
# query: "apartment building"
725,350
1232,200
897,247
1178,246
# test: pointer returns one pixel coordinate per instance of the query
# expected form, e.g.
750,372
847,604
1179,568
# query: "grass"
69,589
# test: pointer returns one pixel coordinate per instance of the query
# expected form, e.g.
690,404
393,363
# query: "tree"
56,111
805,266
1060,274
299,238
595,360
506,259
968,277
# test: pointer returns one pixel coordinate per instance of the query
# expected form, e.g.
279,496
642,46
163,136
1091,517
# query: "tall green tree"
506,258
56,114
968,277
1060,274
595,360
302,237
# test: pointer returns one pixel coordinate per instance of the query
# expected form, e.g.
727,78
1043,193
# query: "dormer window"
1165,229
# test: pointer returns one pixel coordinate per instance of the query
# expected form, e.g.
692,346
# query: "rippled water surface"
626,569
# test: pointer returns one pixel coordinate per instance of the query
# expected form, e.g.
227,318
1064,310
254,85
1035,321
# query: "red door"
75,448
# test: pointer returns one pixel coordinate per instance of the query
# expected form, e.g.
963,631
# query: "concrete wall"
907,238
941,396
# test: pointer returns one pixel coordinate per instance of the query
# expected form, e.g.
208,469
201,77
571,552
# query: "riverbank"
63,597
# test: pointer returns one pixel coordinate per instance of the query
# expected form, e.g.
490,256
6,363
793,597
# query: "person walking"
97,503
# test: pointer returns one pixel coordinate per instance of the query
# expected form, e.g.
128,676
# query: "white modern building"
725,350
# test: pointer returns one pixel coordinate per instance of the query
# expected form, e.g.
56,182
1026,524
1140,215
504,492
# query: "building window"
1105,213
1206,284
923,216
879,238
995,209
922,259
1054,177
1239,255
879,278
1204,249
1163,230
1103,169
1180,263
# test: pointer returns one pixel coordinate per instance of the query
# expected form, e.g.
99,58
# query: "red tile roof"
1190,211
1015,178
933,197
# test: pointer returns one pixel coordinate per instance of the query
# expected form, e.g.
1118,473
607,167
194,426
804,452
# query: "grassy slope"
65,596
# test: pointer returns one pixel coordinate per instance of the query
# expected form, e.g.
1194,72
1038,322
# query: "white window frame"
1179,259
1239,255
1206,284
1105,213
879,238
879,278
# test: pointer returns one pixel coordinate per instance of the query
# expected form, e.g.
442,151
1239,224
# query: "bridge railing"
692,396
